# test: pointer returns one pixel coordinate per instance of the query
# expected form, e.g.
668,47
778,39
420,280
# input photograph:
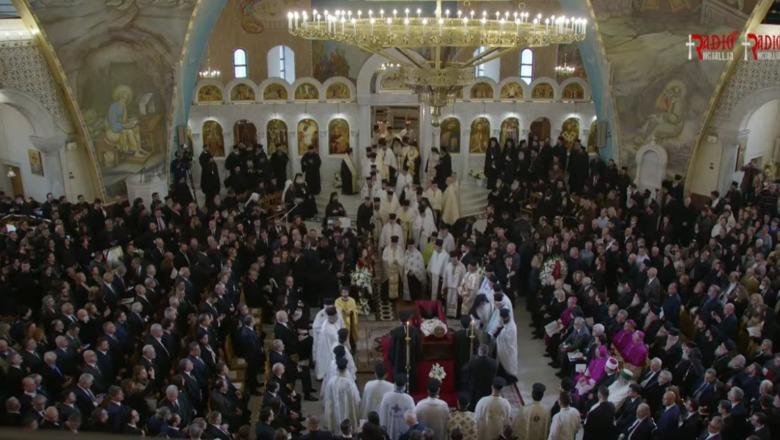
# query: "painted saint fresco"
481,90
663,98
337,90
510,129
512,90
573,92
542,91
275,92
36,162
209,93
242,92
338,136
213,138
276,135
256,14
570,131
392,80
307,91
331,59
121,69
449,136
480,135
308,135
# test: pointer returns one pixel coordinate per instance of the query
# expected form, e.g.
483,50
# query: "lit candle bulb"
382,14
395,12
406,12
459,13
289,20
447,13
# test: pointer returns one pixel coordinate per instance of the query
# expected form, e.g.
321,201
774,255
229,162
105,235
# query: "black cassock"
279,167
397,353
310,164
443,171
303,202
346,179
492,165
461,345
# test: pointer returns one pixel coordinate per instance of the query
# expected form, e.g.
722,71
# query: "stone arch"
651,161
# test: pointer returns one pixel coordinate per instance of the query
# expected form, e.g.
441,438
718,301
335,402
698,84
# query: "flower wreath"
554,268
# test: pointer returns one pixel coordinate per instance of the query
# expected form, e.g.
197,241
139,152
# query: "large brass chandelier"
430,50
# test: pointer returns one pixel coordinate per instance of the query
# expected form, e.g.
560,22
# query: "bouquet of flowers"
554,268
437,372
477,174
363,280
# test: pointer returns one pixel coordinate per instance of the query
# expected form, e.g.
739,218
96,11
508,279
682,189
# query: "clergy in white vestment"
406,216
436,265
450,203
327,339
341,398
566,424
448,241
451,282
533,422
414,272
389,161
620,388
393,265
403,180
506,346
319,319
434,412
393,408
375,390
492,412
499,301
434,195
467,291
424,225
391,229
388,204
371,189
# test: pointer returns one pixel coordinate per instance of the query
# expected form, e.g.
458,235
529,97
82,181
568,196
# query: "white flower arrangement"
554,268
362,279
477,174
437,372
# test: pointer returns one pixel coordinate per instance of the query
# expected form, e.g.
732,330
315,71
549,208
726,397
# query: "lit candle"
289,20
406,13
419,11
395,12
371,21
546,24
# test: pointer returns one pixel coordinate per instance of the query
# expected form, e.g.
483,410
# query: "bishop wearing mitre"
391,229
393,261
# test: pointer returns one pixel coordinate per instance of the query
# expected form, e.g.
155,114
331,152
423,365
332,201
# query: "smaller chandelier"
565,68
209,73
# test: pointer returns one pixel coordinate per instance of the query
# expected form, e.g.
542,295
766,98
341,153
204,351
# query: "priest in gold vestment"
393,262
450,209
347,308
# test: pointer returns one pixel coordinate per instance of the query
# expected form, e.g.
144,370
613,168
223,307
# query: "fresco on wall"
338,136
542,91
512,90
276,135
275,92
392,80
213,138
570,131
242,92
337,91
308,135
481,90
480,135
540,128
256,14
209,93
329,59
573,92
663,97
510,129
593,136
449,137
307,91
121,67
244,132
36,162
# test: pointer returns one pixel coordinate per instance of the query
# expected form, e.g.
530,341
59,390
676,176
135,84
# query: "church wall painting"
543,92
331,59
209,93
275,92
213,138
481,90
510,129
662,98
512,90
573,92
244,132
307,92
242,92
276,136
257,14
480,135
36,162
338,136
540,128
449,136
308,136
121,68
337,90
570,131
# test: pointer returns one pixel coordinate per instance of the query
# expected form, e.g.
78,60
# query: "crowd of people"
659,312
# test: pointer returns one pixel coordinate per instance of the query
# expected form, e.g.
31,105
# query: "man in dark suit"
642,428
599,423
313,430
214,428
53,378
713,429
86,401
739,412
655,390
626,416
178,404
252,348
692,424
162,358
118,413
707,393
760,430
479,374
667,424
293,371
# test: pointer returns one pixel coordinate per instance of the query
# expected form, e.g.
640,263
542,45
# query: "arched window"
281,63
527,65
491,69
240,69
